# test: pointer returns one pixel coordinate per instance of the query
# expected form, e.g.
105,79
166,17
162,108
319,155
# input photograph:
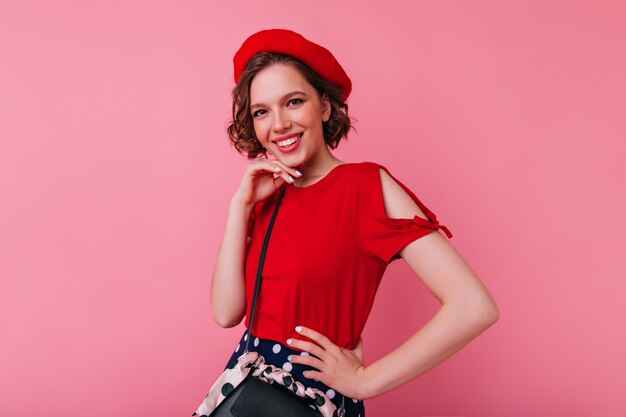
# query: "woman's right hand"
258,181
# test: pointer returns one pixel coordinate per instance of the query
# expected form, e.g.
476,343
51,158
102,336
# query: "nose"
281,122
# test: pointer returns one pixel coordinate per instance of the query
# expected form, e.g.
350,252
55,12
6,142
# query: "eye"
295,102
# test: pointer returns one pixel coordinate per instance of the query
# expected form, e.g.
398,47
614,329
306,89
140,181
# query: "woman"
339,225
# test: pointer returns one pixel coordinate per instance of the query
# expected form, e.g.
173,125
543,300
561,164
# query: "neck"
316,168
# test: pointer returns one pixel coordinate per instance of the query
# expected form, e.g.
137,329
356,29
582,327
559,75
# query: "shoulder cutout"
398,204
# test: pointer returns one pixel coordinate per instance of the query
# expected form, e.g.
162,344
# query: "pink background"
116,173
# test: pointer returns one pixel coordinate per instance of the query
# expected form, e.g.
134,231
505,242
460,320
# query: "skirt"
276,354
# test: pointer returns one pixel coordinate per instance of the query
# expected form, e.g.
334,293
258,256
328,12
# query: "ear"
326,107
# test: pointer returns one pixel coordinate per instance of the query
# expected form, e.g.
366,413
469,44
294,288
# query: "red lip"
286,137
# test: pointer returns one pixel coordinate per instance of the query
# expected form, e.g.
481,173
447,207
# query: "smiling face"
285,106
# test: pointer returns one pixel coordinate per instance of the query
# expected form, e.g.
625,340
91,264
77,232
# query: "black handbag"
256,398
253,397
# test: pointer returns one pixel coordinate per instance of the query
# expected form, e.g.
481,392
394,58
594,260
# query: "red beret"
288,42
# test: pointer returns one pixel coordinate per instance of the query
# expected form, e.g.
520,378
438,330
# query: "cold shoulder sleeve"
383,237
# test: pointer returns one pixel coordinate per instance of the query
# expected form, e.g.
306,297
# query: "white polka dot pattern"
277,354
254,364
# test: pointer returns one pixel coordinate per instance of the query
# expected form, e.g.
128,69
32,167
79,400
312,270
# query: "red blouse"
328,250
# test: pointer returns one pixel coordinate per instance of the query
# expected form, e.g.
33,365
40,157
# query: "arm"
228,288
467,307
467,310
228,300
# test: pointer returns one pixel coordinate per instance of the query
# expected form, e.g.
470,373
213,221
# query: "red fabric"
288,42
329,248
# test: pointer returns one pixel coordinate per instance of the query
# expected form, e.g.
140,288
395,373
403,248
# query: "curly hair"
241,127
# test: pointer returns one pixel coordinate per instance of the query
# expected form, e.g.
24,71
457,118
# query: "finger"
305,346
311,361
286,168
276,167
278,181
264,165
319,338
316,375
283,173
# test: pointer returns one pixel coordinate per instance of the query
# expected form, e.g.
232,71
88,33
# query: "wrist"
367,388
239,203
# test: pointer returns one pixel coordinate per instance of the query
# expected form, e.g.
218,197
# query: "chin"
291,162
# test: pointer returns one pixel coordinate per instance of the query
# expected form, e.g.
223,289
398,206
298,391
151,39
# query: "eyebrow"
286,96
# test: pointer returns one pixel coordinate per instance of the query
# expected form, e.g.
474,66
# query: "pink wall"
115,176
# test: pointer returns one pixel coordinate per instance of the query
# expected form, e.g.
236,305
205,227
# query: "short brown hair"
241,127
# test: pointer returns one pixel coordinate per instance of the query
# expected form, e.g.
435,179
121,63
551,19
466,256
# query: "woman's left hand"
341,369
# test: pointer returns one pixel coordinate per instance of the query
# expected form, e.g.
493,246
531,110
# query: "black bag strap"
257,285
